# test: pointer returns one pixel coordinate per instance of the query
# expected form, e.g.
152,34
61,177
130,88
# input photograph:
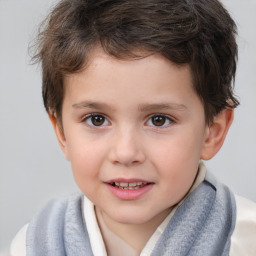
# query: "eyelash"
95,115
163,117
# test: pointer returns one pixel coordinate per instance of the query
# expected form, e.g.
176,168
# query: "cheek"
177,151
86,170
86,158
177,160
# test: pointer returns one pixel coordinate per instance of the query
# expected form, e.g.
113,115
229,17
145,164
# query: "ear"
216,133
59,134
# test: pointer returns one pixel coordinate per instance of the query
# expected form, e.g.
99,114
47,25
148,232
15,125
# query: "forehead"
153,77
100,63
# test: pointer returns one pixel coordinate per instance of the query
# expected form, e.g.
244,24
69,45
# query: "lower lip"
129,194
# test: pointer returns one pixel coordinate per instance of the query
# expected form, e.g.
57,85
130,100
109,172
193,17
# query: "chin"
134,218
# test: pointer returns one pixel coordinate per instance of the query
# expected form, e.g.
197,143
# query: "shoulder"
244,235
245,207
52,211
18,245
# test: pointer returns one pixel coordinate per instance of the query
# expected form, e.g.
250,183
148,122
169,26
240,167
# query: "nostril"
126,152
127,163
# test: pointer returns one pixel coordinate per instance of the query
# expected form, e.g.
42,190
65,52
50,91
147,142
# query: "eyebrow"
92,105
142,108
162,106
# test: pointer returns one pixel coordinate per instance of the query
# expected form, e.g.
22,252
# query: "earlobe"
59,134
216,133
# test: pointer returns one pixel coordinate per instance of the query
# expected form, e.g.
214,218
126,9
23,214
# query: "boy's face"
134,132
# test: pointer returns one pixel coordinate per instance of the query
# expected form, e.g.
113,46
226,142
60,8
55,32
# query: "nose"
127,148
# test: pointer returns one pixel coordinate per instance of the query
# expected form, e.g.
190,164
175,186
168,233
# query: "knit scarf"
201,226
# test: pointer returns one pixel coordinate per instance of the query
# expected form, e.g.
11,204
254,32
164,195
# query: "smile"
129,189
129,185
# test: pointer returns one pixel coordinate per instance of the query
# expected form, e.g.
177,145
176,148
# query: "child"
139,93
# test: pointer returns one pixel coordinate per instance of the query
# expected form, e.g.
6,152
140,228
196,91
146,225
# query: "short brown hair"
198,32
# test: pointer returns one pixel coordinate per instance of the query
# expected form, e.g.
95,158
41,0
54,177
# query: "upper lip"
123,180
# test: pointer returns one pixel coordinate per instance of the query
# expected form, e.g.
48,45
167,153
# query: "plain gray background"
33,168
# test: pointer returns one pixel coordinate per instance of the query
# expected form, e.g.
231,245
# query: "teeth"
124,184
130,185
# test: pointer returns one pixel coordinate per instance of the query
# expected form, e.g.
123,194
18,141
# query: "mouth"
129,189
129,185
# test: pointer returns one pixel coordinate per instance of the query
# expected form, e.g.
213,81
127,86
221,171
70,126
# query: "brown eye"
159,121
96,120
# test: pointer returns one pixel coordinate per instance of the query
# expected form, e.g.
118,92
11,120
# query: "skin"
128,96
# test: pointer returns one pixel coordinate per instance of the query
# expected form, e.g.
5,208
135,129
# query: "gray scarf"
201,226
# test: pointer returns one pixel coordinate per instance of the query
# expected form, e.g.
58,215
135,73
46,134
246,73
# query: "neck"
135,235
